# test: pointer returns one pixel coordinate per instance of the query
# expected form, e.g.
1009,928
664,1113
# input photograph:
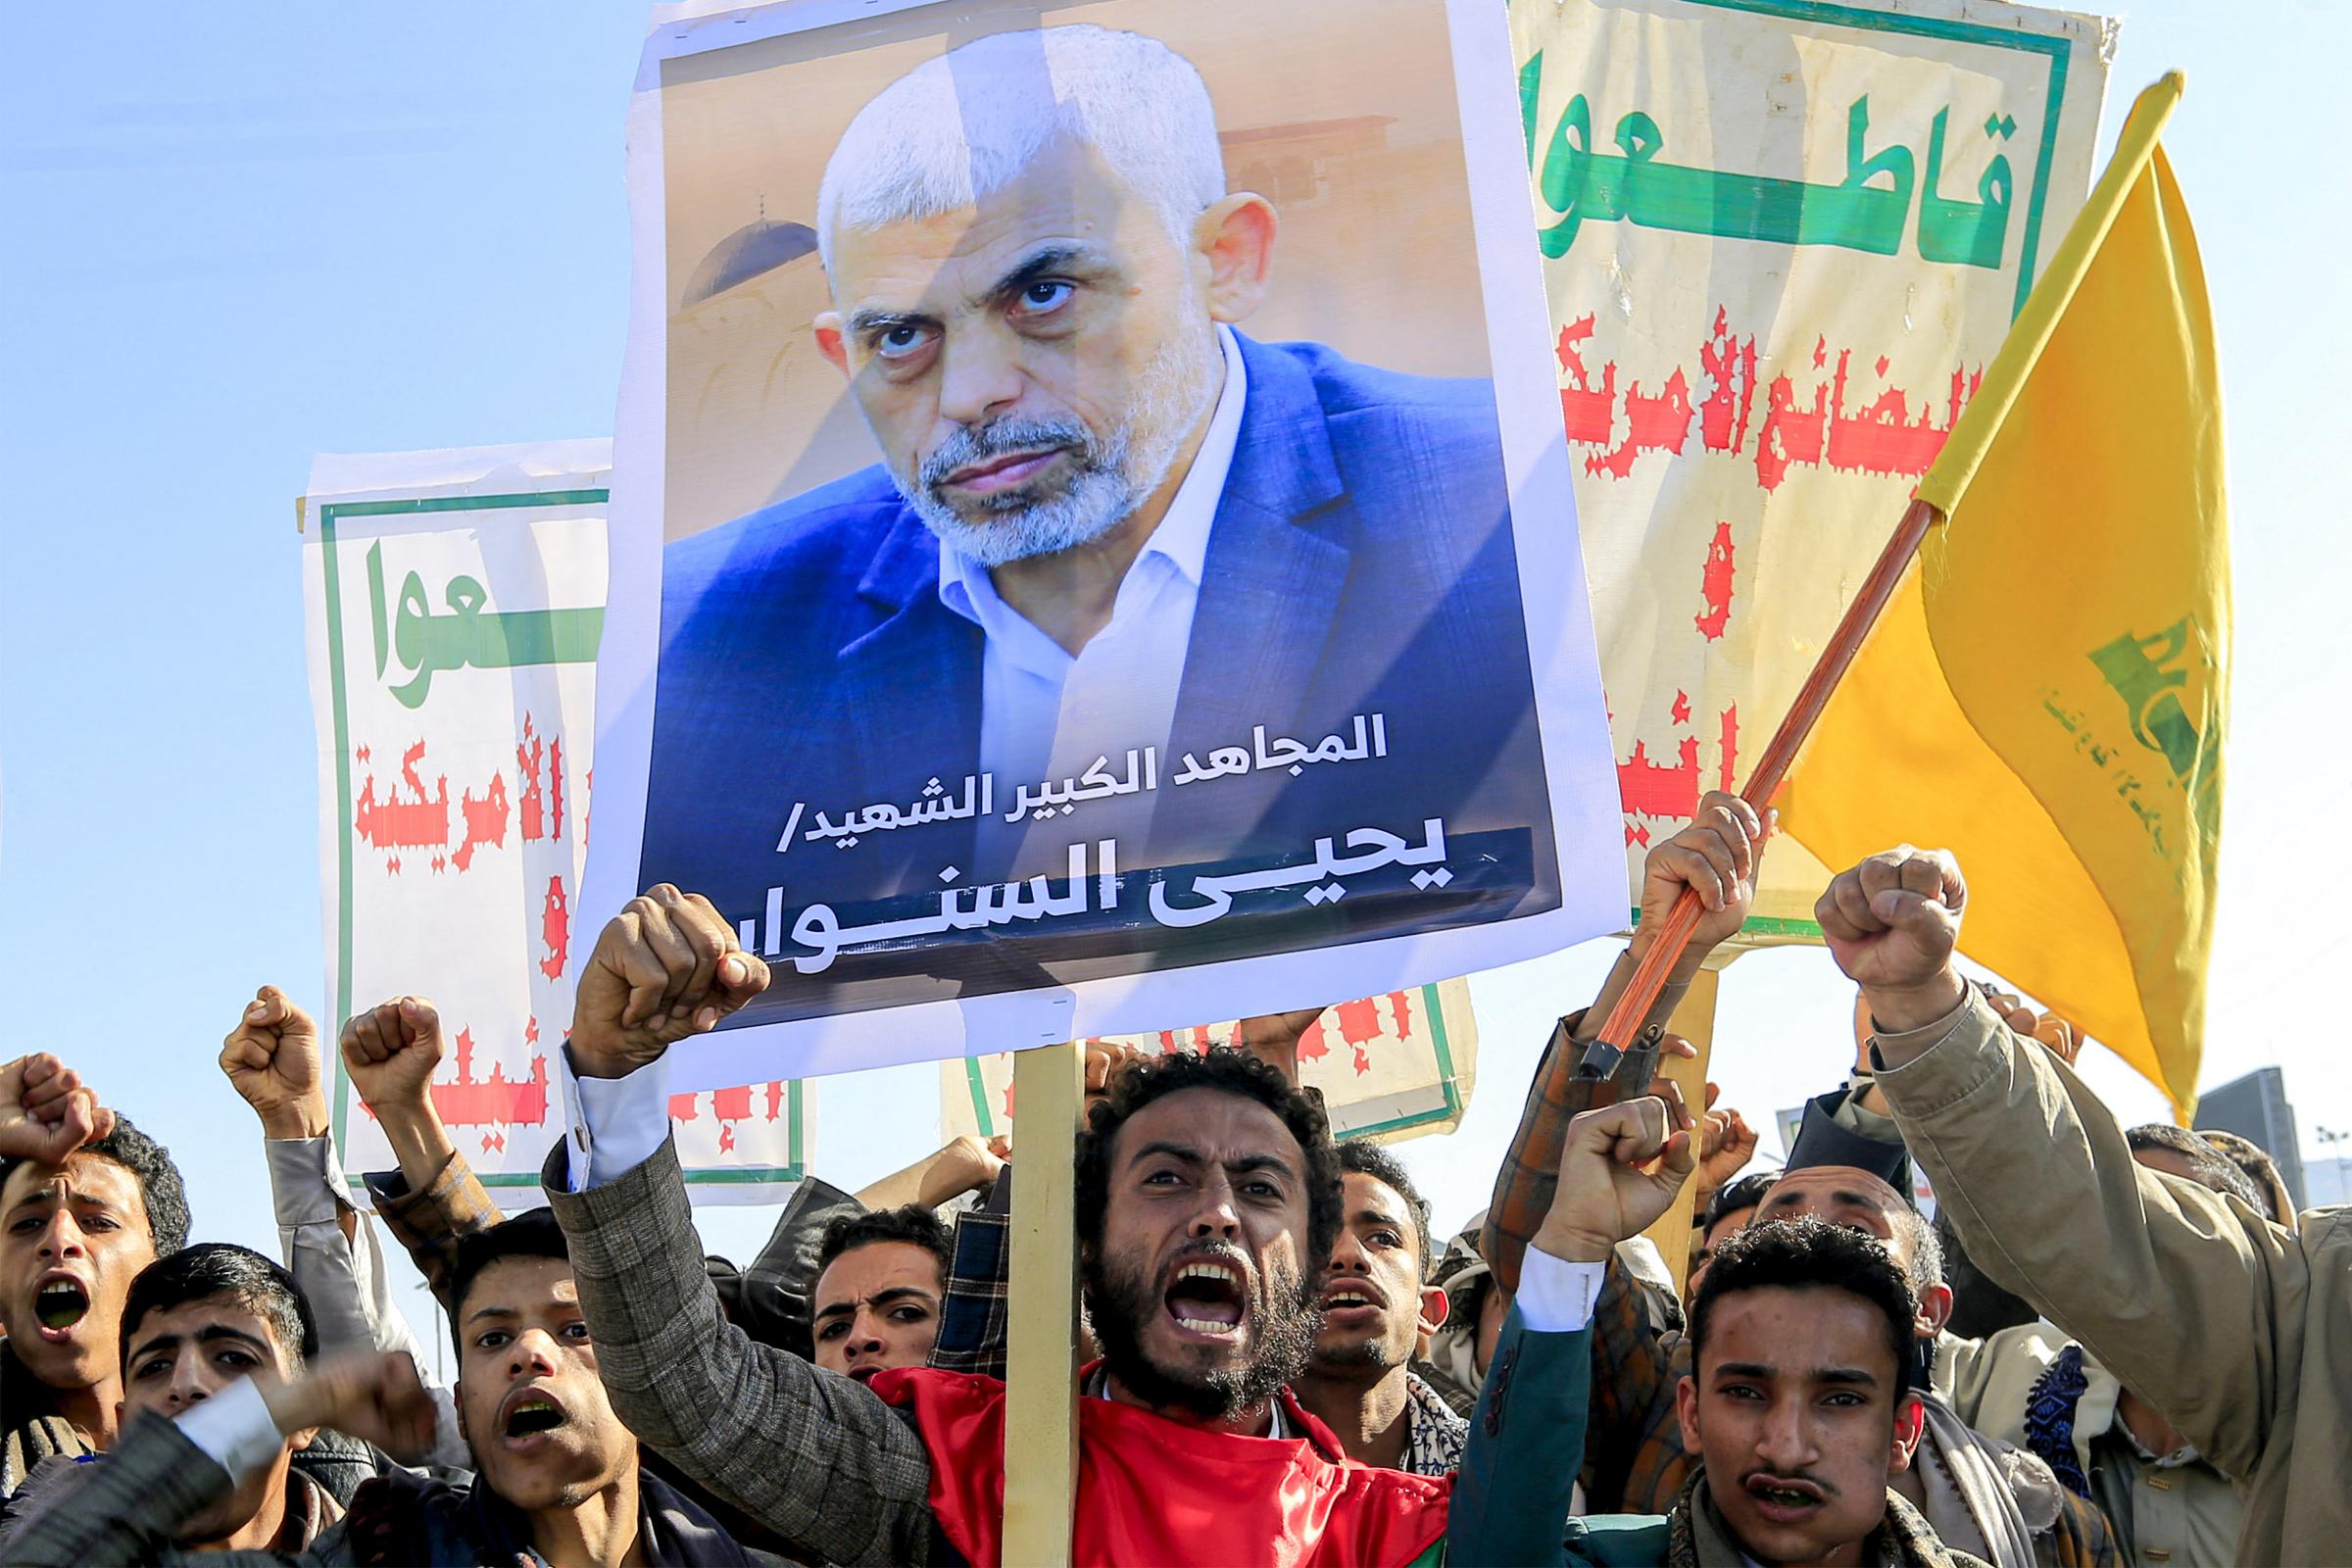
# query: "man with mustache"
1377,1314
1209,1199
1104,521
1800,1399
557,1474
1986,1497
86,1200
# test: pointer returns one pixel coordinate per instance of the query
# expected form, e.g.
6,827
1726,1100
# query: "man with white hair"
1105,523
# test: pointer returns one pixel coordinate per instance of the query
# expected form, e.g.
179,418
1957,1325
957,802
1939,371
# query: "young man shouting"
1801,1403
557,1482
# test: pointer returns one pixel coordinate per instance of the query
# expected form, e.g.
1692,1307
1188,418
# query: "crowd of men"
1286,1361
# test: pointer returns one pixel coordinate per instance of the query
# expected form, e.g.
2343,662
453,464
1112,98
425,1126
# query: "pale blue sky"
236,236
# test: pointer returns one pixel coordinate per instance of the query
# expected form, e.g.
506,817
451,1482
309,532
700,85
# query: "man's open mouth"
531,1416
61,1303
1207,1298
1342,1296
1784,1494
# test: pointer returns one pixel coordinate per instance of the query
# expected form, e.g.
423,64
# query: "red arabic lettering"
495,1101
1880,436
485,820
1584,406
555,929
1659,423
1715,585
1726,363
414,823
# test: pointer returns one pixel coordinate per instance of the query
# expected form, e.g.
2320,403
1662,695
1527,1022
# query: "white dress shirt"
1047,713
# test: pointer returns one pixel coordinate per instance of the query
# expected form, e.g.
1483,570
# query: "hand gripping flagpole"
1621,1062
1617,1057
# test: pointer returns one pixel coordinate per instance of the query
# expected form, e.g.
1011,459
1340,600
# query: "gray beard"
1109,480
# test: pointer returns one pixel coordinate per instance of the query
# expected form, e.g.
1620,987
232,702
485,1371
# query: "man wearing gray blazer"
1210,1197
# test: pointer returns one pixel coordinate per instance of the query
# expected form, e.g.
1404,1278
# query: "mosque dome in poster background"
757,247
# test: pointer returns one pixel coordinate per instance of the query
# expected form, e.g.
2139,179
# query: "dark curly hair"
912,1223
1811,1253
161,1191
238,1273
1360,1156
1230,1072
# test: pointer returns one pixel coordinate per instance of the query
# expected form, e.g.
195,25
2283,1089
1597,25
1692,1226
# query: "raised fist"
391,1050
1718,855
271,1061
666,968
45,1111
1891,924
1621,1167
375,1396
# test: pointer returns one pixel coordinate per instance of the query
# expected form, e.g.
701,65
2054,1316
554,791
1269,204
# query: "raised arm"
433,1200
1620,1168
1718,855
2042,1187
813,1457
274,1060
131,1506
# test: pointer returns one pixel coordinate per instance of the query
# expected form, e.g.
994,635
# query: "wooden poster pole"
1695,1021
1041,1394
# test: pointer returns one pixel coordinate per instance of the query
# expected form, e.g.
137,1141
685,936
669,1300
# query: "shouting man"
1209,1198
1378,1312
86,1202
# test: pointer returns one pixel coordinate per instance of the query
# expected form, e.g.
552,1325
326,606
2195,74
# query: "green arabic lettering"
1964,233
1584,185
468,637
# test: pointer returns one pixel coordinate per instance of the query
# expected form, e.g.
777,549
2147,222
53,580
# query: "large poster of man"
1102,546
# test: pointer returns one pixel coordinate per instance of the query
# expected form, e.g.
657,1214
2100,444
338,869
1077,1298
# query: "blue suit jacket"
1360,560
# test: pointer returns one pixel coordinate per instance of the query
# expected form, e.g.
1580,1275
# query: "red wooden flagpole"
1649,976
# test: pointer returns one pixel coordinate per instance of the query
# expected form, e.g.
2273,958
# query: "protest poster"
1388,1067
1781,241
1249,300
453,604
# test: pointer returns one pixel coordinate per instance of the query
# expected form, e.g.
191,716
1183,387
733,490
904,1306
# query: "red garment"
1152,1490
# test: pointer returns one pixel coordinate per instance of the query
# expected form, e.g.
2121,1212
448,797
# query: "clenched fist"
1621,1167
666,968
1891,924
370,1394
45,1111
391,1050
272,1059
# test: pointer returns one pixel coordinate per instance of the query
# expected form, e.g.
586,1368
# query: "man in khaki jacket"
2237,1327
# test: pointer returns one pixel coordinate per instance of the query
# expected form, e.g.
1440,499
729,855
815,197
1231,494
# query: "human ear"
1235,237
1935,1310
1910,1425
1685,1411
1432,1309
456,1402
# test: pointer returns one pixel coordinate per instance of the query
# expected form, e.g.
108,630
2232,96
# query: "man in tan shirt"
2239,1330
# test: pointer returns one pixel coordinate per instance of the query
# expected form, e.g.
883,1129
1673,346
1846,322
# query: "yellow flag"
2046,694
